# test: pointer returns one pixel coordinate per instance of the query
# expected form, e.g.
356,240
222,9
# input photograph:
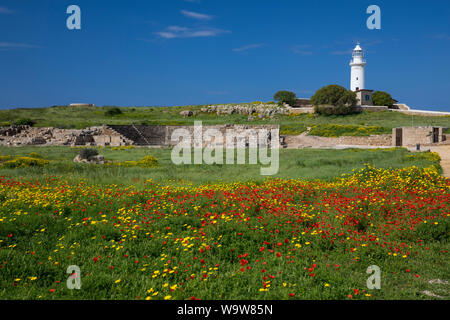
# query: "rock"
78,159
99,159
38,141
186,113
246,109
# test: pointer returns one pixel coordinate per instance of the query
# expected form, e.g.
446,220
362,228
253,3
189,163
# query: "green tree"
333,100
285,97
381,98
113,112
24,122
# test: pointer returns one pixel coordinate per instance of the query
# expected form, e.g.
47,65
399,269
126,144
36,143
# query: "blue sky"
180,52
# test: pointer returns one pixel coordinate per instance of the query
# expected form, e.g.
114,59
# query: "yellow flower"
117,281
167,297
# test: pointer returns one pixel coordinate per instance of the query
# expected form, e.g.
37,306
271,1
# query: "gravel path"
444,152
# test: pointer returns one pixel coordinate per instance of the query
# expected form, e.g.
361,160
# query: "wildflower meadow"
272,239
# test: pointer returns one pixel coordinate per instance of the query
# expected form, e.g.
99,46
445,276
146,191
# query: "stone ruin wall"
412,136
117,135
243,133
160,136
25,135
306,141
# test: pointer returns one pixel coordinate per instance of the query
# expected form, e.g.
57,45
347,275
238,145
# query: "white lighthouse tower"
357,65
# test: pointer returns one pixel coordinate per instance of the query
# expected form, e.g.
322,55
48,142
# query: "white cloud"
247,47
196,15
5,10
302,49
173,32
345,52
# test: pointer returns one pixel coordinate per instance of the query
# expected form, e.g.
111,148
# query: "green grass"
337,130
294,163
71,117
119,238
74,216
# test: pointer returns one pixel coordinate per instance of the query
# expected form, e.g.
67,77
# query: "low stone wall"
373,108
301,110
306,141
425,113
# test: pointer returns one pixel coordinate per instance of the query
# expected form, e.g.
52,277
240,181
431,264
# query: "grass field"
282,239
305,164
71,117
224,232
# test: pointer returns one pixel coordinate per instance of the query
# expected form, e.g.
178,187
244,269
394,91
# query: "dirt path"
444,152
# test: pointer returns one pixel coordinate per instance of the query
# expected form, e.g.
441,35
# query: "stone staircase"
141,135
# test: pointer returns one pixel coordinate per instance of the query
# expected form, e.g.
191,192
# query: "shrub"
24,122
113,112
432,157
381,98
334,100
337,130
21,162
330,110
292,129
87,153
122,148
146,162
285,97
5,158
35,155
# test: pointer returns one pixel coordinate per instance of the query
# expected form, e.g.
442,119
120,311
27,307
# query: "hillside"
78,118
